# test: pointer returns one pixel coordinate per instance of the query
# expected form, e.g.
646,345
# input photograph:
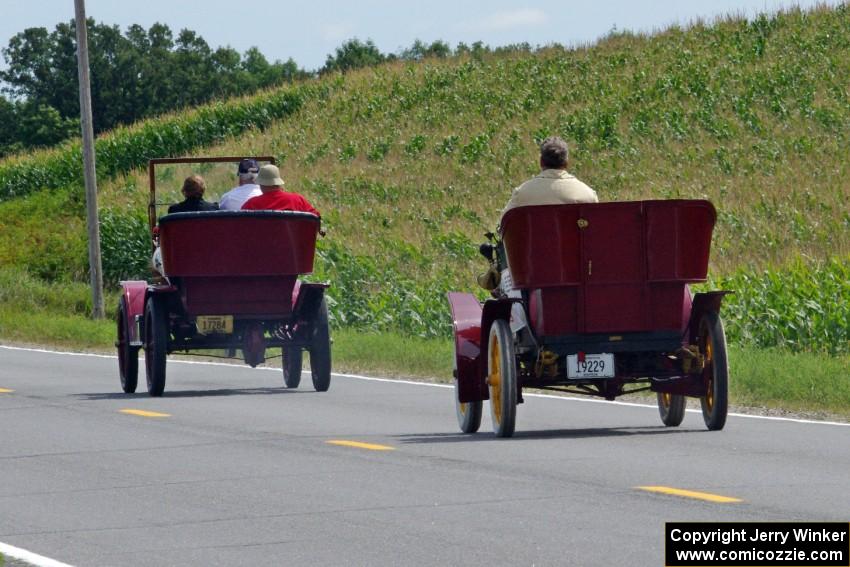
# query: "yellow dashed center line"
690,494
359,445
5,391
144,413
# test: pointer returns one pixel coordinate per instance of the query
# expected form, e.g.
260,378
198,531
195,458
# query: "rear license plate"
593,366
215,324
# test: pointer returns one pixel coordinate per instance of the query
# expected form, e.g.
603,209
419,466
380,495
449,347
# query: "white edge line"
434,385
29,556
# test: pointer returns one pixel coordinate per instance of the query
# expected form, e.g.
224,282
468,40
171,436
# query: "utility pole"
88,160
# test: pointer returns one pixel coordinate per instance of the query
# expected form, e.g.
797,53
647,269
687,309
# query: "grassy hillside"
411,163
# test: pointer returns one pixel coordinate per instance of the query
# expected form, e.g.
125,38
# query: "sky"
309,31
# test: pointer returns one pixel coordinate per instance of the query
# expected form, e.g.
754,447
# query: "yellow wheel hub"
495,379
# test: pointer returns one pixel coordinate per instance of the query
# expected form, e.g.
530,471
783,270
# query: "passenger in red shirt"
274,198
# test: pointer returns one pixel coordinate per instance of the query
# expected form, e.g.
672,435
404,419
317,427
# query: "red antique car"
599,305
231,283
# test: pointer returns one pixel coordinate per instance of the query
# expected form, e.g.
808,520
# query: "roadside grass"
69,331
793,382
392,355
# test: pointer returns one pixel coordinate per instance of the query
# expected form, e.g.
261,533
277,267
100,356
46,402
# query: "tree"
8,128
420,50
133,76
353,54
40,125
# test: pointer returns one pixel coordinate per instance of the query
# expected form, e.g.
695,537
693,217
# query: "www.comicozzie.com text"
727,536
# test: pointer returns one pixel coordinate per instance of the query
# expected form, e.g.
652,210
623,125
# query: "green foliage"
45,234
373,296
29,124
126,148
40,125
353,54
792,381
803,307
135,75
24,292
415,145
420,50
125,245
356,351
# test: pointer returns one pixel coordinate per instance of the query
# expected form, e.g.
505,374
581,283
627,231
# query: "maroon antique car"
230,282
599,305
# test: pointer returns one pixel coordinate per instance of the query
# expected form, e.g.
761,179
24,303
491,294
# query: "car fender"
306,299
134,297
471,322
704,302
466,324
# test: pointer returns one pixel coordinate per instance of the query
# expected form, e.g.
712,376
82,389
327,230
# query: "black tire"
292,367
671,408
712,341
502,379
156,344
320,350
468,413
128,356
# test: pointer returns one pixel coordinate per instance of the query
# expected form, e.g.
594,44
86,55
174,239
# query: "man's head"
247,170
194,187
554,153
269,178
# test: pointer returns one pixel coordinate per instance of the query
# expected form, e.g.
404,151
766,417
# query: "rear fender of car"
134,298
704,302
466,324
306,299
471,323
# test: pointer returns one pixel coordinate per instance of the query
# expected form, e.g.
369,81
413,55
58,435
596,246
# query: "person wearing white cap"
274,198
236,197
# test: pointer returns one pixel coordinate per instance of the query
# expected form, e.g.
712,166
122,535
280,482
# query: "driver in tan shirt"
553,185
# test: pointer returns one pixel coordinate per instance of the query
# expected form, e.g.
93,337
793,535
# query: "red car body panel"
239,263
609,267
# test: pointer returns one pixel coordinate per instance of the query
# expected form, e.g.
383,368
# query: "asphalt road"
241,472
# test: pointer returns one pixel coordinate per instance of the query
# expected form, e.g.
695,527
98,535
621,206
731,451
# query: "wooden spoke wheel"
671,408
502,378
716,372
292,367
128,356
320,350
156,344
468,413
